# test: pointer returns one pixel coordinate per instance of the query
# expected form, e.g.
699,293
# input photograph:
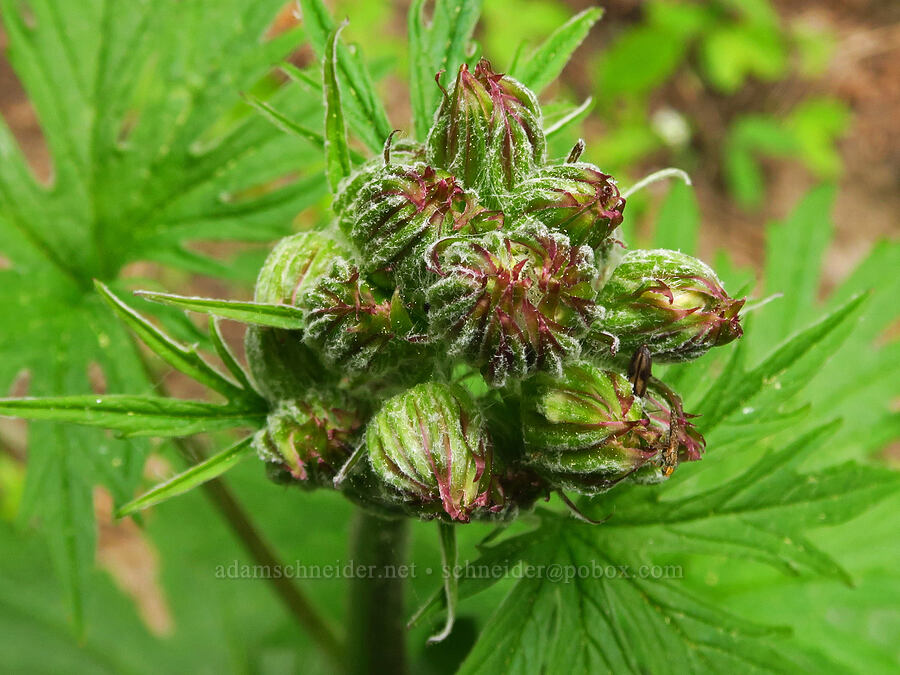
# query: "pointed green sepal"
198,474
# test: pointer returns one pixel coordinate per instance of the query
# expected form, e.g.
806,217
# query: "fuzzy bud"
402,210
281,365
430,445
577,199
350,323
585,431
396,152
294,266
488,132
513,302
670,301
308,439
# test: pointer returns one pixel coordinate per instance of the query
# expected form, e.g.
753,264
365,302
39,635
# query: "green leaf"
749,136
277,316
817,124
198,474
136,415
732,53
362,105
639,60
281,121
577,606
160,627
786,370
570,117
441,45
859,630
228,358
795,250
548,60
860,380
150,147
573,606
678,222
337,153
185,359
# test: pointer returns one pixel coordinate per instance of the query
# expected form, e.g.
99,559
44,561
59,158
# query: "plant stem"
297,604
376,631
239,521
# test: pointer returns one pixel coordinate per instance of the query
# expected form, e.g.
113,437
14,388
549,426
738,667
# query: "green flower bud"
281,365
585,430
402,210
400,152
430,445
577,199
309,439
488,132
347,320
513,302
669,301
294,266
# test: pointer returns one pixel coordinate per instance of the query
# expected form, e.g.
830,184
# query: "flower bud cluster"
468,321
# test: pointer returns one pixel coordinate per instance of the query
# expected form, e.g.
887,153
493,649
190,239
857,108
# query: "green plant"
747,514
151,151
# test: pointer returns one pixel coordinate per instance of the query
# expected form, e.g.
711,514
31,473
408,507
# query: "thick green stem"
376,630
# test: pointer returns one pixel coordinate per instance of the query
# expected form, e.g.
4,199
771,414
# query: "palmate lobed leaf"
809,230
181,634
139,105
859,626
601,621
736,387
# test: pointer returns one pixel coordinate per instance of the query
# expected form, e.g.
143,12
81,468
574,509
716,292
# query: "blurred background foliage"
759,100
756,99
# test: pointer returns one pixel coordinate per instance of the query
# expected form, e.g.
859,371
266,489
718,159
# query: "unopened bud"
513,302
585,430
577,199
309,439
401,211
430,445
488,132
349,322
668,300
282,366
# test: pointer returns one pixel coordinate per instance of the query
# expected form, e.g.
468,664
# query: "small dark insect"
639,370
670,455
